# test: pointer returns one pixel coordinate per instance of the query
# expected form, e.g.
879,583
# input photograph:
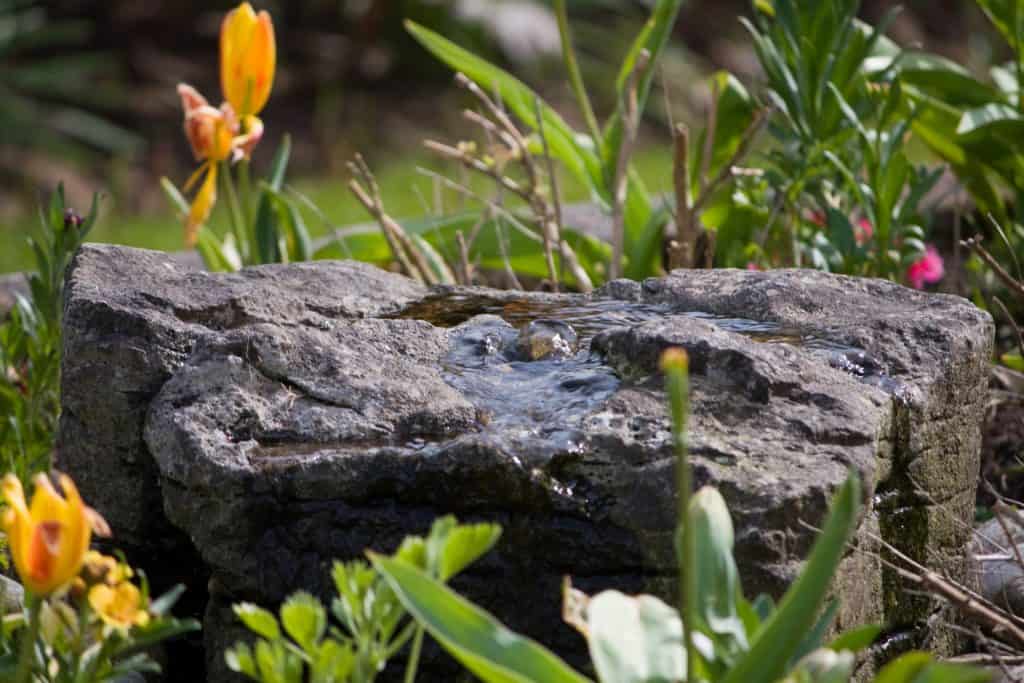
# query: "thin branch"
630,125
726,171
709,138
1013,323
405,251
552,228
1011,283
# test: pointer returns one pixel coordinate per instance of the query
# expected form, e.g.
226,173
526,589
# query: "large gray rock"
289,415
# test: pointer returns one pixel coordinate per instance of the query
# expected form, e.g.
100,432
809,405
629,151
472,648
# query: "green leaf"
332,663
780,635
266,230
480,642
214,255
279,166
652,38
174,196
918,667
635,639
1013,361
520,100
455,547
304,619
734,115
239,659
945,80
991,119
258,620
717,580
1005,15
856,639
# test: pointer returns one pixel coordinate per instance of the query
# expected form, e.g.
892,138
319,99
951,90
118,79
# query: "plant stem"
678,395
238,225
23,674
245,189
414,656
573,67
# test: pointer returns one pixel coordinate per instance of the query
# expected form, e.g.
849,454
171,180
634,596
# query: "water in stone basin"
528,367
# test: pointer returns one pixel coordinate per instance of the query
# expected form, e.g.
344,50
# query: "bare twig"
411,259
551,230
461,155
724,173
709,137
1013,323
509,272
1011,283
465,269
681,251
630,128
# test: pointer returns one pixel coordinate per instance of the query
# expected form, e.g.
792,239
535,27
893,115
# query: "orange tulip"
210,131
247,59
48,540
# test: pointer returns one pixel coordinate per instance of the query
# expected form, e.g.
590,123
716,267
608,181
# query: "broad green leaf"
945,80
1006,16
520,100
987,124
734,115
258,620
635,639
716,580
919,667
824,666
464,545
856,639
652,38
780,635
304,619
479,641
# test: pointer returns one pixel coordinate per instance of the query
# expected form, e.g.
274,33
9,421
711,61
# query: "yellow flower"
100,568
247,59
48,540
120,606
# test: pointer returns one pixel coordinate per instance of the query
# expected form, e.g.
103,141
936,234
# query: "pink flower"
926,270
753,266
863,231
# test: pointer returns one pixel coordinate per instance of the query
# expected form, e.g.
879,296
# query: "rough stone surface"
289,415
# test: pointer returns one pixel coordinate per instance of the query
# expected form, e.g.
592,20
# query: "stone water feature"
252,427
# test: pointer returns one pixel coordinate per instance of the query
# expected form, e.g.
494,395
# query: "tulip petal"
260,62
202,205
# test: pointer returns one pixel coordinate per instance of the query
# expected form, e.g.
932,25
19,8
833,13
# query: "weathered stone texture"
289,415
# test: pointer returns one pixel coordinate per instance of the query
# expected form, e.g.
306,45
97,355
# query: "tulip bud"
248,57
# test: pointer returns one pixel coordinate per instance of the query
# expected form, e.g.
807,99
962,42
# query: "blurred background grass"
87,92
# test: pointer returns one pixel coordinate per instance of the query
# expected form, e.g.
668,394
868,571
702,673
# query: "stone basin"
267,422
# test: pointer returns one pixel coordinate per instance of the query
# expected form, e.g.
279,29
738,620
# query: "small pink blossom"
751,265
926,270
863,231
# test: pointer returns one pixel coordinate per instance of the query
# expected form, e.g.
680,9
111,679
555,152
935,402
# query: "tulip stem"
23,674
238,225
245,189
677,387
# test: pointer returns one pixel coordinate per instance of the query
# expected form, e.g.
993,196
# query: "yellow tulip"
48,540
247,59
